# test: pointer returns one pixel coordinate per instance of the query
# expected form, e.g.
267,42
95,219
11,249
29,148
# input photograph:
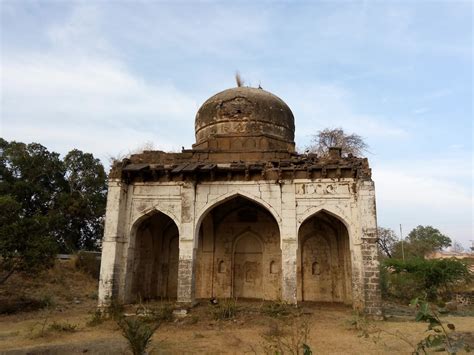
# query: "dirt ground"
73,301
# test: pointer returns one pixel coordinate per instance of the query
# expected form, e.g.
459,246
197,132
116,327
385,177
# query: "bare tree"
386,240
336,137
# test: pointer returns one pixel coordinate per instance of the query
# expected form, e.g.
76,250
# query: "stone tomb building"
241,215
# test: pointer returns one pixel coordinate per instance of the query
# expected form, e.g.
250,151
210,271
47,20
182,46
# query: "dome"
245,118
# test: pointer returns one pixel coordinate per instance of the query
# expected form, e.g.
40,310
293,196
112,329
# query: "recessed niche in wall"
221,267
315,268
273,267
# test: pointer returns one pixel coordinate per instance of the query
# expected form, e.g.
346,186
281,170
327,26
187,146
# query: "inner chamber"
238,252
324,260
155,259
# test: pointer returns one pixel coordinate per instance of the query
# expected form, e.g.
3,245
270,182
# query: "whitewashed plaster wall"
290,203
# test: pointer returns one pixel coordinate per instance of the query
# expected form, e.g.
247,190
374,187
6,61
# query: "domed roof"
246,112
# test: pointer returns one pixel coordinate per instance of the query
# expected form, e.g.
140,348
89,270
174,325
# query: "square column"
289,249
289,243
370,275
187,242
112,243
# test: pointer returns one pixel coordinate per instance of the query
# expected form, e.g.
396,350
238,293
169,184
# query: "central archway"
238,252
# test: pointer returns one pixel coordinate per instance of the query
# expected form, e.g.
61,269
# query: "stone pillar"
370,262
289,249
187,250
112,243
289,243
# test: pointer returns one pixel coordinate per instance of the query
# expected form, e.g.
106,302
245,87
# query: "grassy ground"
64,326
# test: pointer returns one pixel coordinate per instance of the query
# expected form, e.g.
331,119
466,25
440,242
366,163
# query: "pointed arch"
150,211
334,211
229,196
149,254
244,233
324,255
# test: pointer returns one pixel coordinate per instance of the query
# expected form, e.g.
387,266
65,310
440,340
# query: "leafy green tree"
421,241
31,179
425,277
82,204
47,205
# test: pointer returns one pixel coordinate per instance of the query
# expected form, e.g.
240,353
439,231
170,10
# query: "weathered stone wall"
239,253
289,203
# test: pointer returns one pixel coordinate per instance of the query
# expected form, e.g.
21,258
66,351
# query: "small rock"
180,313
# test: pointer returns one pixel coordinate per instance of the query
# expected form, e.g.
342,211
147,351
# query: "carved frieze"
323,190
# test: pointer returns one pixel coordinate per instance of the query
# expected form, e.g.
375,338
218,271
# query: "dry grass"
198,332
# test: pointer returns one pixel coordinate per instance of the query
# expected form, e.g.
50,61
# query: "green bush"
422,278
138,333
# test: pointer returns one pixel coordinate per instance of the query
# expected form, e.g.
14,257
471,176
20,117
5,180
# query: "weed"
41,330
360,323
47,301
138,333
440,337
193,319
63,327
276,309
290,338
115,310
164,313
224,309
96,319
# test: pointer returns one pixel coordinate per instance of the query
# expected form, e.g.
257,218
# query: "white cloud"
74,96
426,194
321,106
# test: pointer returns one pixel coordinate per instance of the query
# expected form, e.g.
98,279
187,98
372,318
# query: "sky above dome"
107,77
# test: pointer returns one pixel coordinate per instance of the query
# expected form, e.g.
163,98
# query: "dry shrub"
88,262
277,309
289,337
224,309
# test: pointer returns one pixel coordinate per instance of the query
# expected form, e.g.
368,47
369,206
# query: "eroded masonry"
241,214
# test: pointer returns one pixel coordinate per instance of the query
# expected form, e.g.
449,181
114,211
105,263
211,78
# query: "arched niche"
324,260
214,204
237,240
152,259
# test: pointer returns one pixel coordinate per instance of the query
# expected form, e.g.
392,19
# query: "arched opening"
238,239
154,259
324,260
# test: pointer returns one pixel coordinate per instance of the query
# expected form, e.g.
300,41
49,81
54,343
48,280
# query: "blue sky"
108,76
